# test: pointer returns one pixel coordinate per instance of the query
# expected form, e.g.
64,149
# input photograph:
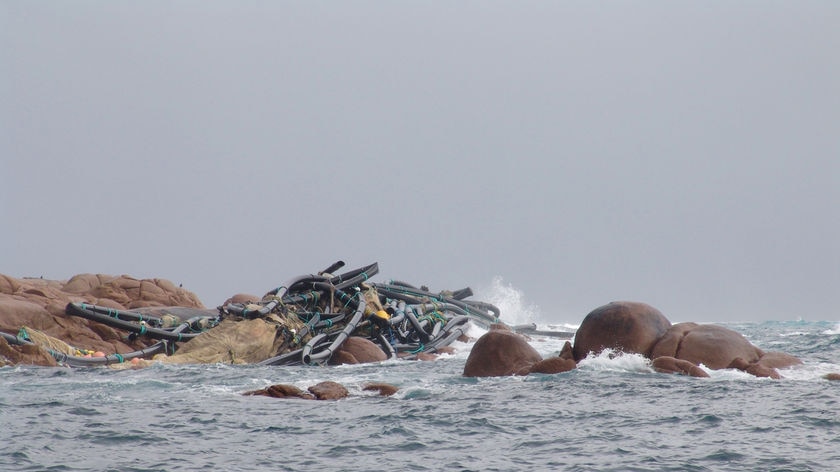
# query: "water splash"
610,360
510,301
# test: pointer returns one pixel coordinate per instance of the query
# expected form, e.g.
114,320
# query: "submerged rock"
282,391
328,390
563,362
384,389
671,365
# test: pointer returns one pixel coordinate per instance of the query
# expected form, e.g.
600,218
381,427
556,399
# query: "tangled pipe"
277,297
419,321
339,282
324,355
414,296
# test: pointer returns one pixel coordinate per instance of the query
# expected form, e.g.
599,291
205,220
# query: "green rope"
120,358
418,350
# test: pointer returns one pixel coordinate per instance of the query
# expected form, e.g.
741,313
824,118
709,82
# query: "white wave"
730,374
794,333
609,360
835,330
809,371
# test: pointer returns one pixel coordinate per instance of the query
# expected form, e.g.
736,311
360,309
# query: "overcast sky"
683,154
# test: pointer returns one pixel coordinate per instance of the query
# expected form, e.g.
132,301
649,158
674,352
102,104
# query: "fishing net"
46,341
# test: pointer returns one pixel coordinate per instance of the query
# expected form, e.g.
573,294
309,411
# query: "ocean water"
611,414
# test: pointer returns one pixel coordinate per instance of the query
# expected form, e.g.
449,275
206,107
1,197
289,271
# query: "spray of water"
609,360
510,301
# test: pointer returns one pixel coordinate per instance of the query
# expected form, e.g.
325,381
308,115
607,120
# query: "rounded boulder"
629,327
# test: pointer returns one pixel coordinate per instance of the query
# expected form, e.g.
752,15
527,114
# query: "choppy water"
610,414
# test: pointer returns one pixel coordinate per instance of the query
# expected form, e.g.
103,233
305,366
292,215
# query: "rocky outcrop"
634,327
39,304
630,327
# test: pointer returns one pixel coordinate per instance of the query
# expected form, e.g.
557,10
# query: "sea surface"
611,414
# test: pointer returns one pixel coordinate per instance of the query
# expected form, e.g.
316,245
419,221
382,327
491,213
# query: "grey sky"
684,154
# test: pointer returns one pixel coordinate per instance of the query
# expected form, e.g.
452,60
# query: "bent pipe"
451,337
386,346
324,355
289,358
80,310
455,299
334,267
306,352
277,297
436,330
484,306
415,292
420,297
453,330
340,281
397,295
462,294
456,308
124,315
161,346
289,286
418,328
475,313
400,283
307,327
457,323
398,306
355,277
531,328
12,339
327,322
78,361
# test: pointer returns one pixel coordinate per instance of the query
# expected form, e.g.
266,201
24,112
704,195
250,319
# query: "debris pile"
308,320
